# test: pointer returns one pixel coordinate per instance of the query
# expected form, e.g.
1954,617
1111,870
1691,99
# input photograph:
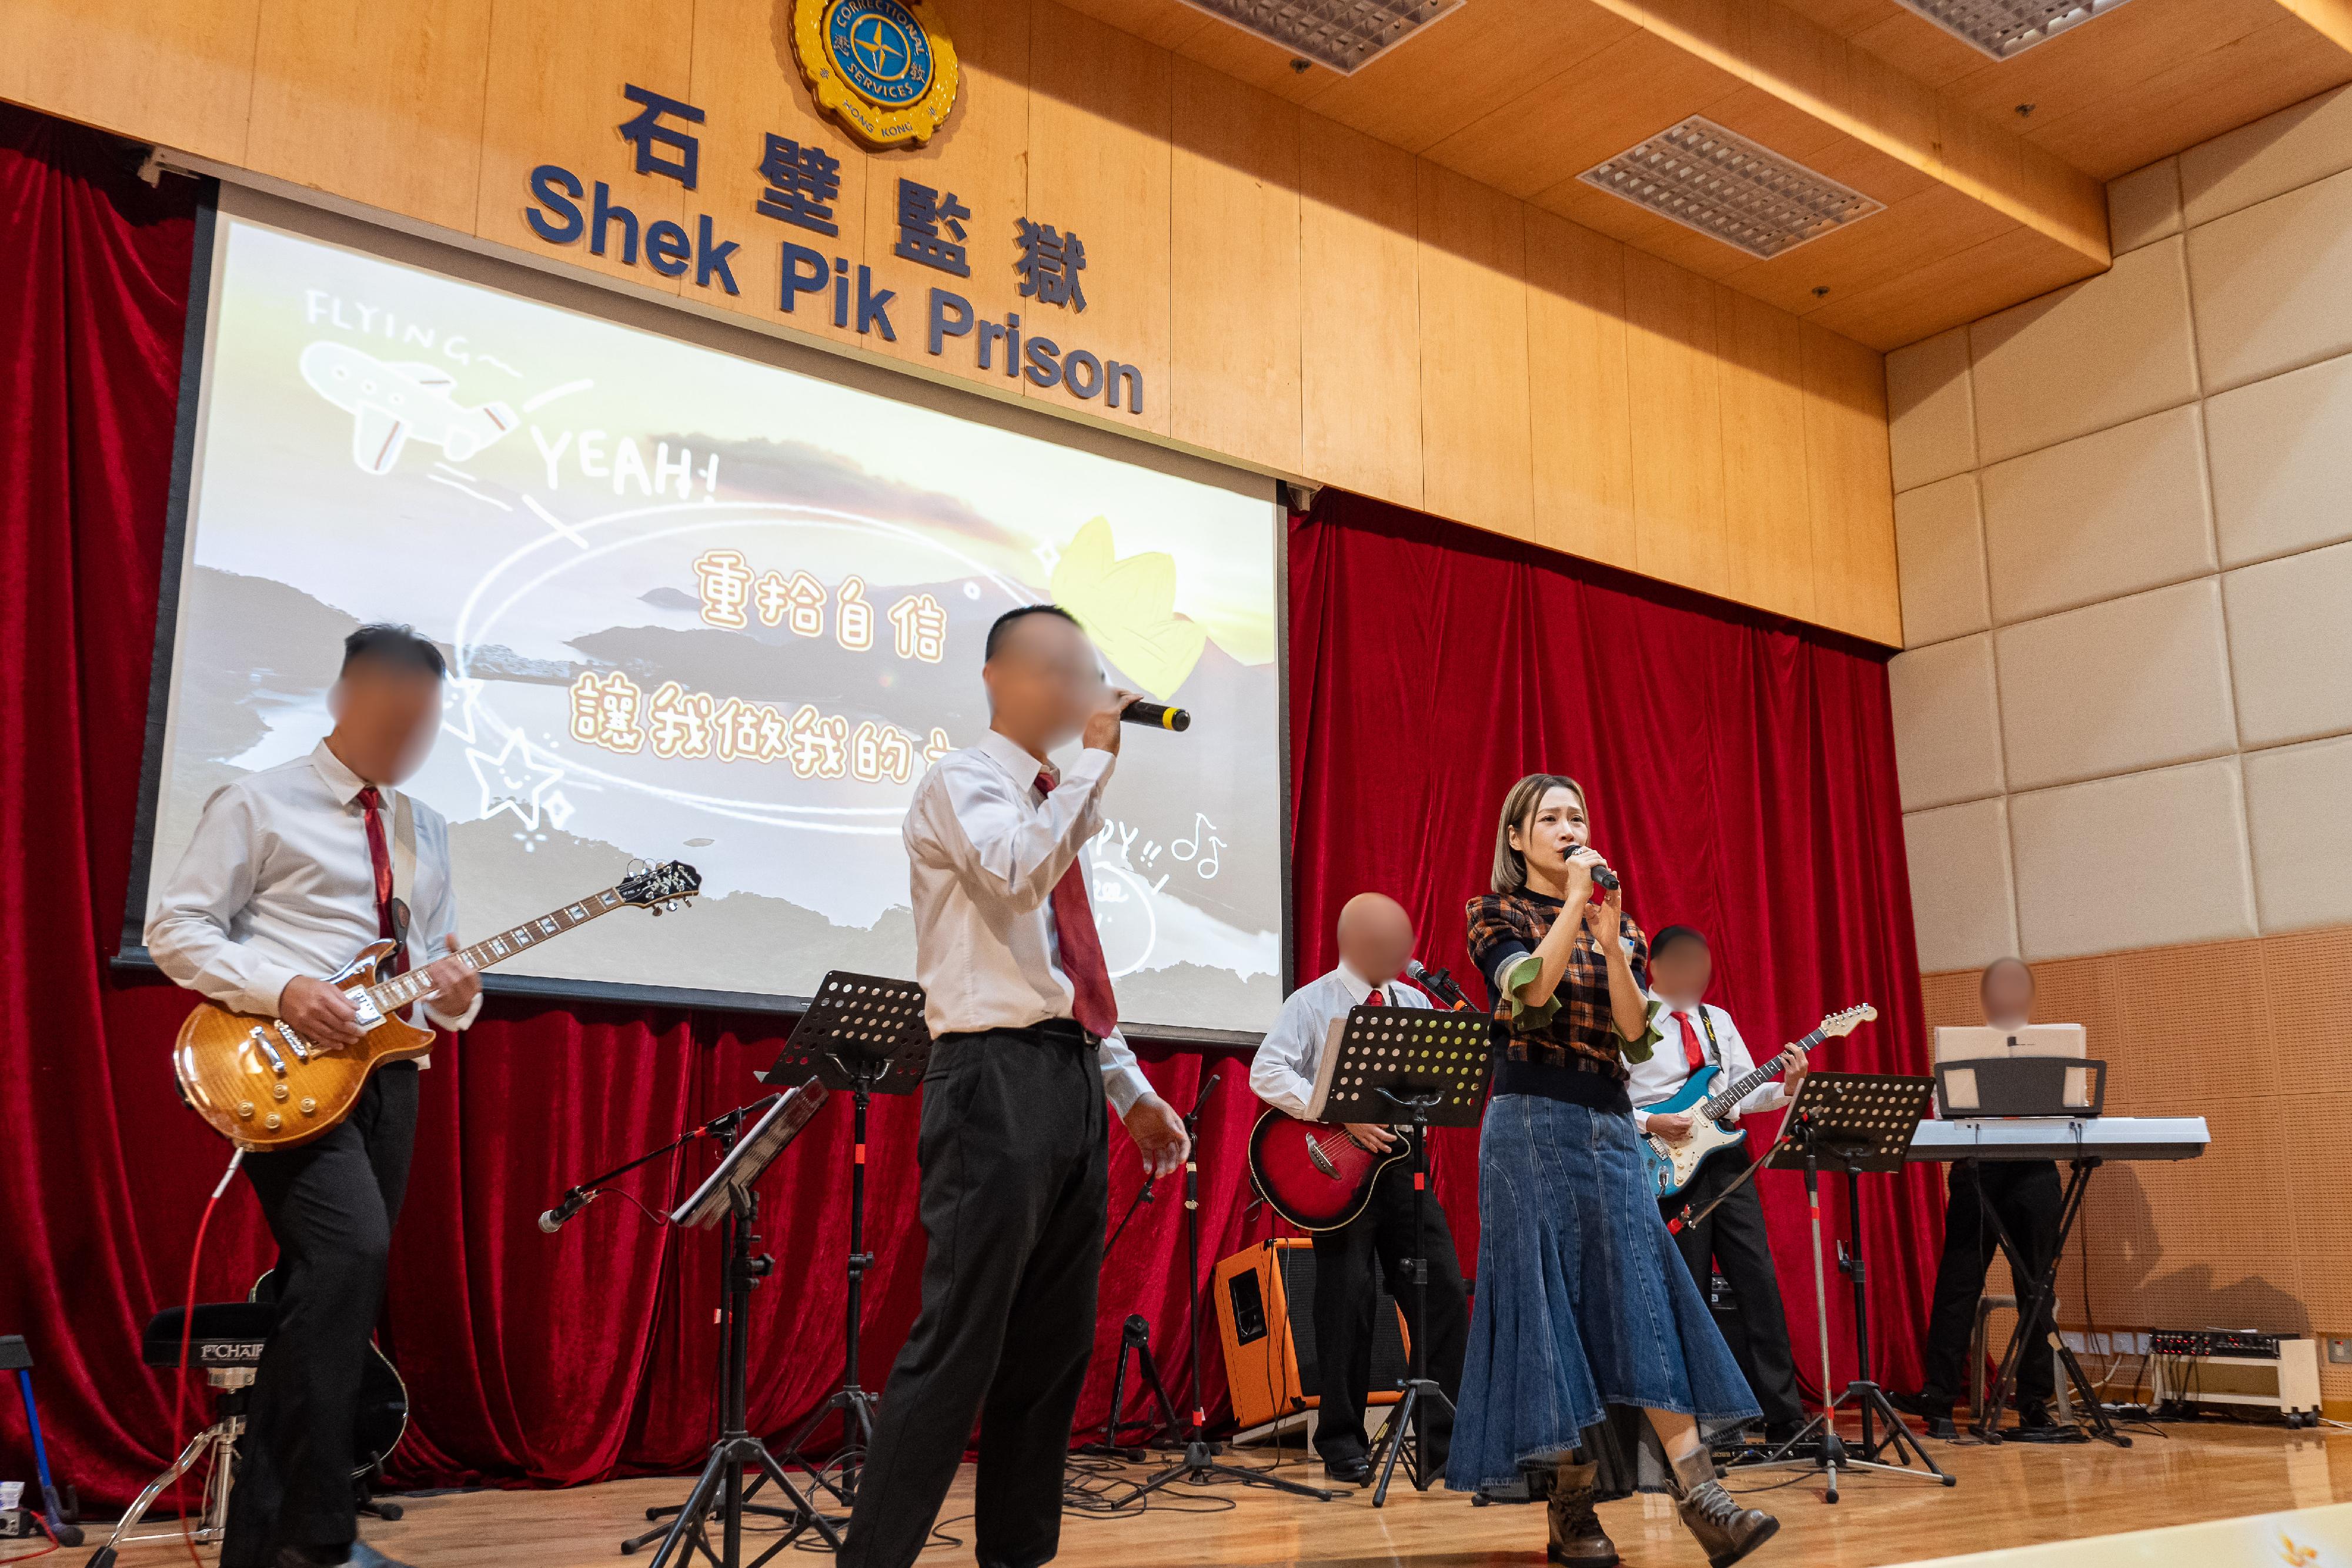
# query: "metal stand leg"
851,1400
1408,1416
220,1438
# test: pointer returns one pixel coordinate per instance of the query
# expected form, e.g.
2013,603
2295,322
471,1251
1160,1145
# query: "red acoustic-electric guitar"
1314,1175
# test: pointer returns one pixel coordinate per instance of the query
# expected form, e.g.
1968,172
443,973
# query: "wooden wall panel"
352,94
1766,498
741,47
1234,269
180,74
1360,336
1474,354
1580,417
1670,360
1099,114
556,71
1853,487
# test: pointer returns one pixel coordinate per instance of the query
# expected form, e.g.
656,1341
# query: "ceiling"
1990,171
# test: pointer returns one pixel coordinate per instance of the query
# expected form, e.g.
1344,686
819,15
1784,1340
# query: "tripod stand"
1200,1462
1862,1122
1134,1340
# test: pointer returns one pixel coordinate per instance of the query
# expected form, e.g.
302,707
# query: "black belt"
1069,1031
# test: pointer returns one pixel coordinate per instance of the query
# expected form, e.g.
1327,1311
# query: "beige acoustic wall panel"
1940,559
1930,423
2280,456
2276,153
2092,355
2273,284
2103,514
2135,682
2144,206
1963,906
1947,723
2133,862
2299,820
2291,647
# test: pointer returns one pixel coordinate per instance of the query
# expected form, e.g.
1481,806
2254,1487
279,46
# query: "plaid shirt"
1578,1022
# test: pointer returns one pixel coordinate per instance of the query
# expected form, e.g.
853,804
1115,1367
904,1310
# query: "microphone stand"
1200,1462
573,1199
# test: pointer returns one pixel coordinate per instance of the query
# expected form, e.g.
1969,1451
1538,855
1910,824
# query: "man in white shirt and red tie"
288,875
1013,1146
1732,1240
1375,939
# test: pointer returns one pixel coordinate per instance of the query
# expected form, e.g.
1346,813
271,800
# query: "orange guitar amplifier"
1265,1316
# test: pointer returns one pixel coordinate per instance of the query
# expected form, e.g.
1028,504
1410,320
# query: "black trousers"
1734,1241
1345,1298
1014,1160
331,1206
2026,1196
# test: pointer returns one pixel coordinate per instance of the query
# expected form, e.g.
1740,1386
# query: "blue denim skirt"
1582,1300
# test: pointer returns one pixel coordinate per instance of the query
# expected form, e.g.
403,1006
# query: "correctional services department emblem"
876,67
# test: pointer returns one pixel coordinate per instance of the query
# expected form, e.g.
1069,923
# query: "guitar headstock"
1844,1023
660,887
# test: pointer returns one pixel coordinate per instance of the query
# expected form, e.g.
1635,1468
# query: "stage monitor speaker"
1265,1316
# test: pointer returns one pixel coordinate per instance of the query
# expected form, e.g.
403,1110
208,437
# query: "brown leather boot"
1577,1537
1714,1517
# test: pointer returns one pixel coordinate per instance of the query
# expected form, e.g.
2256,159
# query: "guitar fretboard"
399,991
1719,1105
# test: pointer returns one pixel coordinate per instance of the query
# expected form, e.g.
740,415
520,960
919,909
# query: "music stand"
1862,1122
728,1198
863,1035
1430,1065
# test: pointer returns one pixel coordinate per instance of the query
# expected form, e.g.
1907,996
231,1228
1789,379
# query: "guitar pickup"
269,1051
370,1015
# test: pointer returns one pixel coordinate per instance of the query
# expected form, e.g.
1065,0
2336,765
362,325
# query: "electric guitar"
264,1086
1709,1101
1313,1172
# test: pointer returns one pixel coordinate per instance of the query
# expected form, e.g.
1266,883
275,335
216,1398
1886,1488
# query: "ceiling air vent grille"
2003,28
1344,34
1722,184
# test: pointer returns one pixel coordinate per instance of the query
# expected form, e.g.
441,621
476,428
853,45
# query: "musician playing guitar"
1375,939
1732,1239
289,872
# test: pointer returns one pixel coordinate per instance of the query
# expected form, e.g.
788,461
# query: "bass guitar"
1313,1172
1710,1101
264,1086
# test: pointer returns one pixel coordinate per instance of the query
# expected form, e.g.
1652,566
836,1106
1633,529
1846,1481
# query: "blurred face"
1681,973
1375,937
385,718
2007,994
1043,681
1553,831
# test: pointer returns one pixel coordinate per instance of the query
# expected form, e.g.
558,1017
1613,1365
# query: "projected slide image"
703,607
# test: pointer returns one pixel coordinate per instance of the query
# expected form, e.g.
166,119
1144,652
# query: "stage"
2010,1496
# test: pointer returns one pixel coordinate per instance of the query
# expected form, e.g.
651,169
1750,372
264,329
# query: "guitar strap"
403,862
1714,1046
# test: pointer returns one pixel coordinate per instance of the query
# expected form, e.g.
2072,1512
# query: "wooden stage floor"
2012,1495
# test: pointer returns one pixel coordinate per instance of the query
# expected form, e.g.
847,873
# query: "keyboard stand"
2033,1302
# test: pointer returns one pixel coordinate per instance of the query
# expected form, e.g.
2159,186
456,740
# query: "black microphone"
1208,1087
1602,877
553,1219
1436,982
1159,716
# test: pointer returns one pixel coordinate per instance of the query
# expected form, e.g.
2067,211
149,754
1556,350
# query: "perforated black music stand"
1859,1122
1429,1067
728,1198
863,1035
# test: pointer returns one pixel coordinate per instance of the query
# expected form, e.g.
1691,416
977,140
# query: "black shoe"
2034,1424
1936,1413
1776,1433
361,1555
1355,1472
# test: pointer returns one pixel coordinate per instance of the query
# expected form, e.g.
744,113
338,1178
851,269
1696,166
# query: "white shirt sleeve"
1122,1075
188,934
1278,1071
430,926
972,824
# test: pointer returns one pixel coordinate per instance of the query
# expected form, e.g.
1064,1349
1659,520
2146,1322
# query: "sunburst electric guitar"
1710,1101
264,1085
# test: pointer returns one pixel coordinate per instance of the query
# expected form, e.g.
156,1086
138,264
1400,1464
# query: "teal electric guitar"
1710,1101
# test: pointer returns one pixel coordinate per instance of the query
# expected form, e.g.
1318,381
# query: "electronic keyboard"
2061,1138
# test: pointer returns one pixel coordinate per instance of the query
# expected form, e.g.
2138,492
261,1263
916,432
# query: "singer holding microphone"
1013,1147
1375,944
1589,1341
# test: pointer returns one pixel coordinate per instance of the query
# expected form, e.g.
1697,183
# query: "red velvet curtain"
1741,770
555,1360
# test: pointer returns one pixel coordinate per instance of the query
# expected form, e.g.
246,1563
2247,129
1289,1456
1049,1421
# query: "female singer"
1588,1338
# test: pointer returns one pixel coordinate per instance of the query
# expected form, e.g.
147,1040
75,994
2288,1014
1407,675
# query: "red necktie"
1091,1001
380,857
1692,1054
1376,1000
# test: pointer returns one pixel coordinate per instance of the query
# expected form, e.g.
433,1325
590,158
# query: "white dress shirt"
1283,1072
1666,1070
276,882
984,848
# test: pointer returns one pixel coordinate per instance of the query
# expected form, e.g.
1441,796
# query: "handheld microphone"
1602,877
1159,716
553,1219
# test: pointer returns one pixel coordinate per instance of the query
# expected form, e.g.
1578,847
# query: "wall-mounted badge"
876,67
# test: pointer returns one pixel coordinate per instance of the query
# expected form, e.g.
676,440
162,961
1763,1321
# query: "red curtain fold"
1742,774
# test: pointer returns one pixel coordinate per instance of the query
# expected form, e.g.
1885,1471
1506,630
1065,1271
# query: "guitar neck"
397,993
1719,1105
